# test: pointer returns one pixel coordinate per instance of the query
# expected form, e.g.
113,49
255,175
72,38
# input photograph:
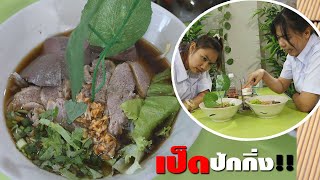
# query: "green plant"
224,26
210,100
197,29
275,55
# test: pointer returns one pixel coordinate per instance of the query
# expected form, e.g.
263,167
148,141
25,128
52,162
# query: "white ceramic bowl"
268,111
222,114
31,26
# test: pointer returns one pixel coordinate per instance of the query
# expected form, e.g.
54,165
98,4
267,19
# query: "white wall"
243,38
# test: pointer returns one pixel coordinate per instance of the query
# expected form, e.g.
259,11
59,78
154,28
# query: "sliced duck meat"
142,77
58,45
59,103
87,75
18,80
32,105
127,55
50,93
101,96
62,114
66,89
55,45
44,71
118,121
26,95
86,90
120,89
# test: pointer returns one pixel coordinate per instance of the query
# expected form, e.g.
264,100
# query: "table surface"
206,144
248,125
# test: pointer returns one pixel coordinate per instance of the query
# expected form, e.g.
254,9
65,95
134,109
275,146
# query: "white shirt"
189,85
305,68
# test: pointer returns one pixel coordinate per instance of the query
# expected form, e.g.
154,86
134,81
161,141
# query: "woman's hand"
254,78
189,104
192,104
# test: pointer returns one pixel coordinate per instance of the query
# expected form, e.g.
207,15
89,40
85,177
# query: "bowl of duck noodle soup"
267,106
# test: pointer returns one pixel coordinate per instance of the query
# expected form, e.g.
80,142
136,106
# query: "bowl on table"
222,114
267,106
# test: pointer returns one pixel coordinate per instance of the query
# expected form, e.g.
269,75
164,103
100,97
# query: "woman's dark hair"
287,19
204,42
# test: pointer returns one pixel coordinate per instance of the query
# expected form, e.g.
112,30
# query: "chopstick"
242,95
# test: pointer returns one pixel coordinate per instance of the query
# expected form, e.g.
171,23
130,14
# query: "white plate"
31,26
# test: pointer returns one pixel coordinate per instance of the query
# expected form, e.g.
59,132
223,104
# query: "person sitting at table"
297,38
191,68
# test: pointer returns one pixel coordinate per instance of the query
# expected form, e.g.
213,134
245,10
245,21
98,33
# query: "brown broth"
150,56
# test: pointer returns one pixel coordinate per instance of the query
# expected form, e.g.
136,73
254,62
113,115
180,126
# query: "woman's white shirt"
189,85
304,69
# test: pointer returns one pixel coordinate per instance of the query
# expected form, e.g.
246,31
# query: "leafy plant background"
197,29
272,55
